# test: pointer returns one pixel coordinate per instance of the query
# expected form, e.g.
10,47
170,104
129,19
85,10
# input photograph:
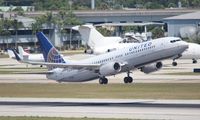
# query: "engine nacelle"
152,67
111,68
89,51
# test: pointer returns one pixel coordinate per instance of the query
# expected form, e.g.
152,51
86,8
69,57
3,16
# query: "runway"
101,108
161,76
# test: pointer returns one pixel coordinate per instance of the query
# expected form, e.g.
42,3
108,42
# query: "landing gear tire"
128,80
194,61
174,63
103,81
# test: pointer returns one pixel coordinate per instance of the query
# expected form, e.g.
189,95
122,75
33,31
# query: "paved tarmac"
102,108
162,76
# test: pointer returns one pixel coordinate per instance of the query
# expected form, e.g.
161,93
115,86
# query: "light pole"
70,5
16,30
70,34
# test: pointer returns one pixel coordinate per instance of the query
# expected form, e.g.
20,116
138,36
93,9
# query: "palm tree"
5,26
49,19
36,27
16,25
60,21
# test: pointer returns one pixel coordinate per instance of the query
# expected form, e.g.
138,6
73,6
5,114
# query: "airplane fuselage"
134,56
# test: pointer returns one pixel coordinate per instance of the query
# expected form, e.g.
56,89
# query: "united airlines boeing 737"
146,56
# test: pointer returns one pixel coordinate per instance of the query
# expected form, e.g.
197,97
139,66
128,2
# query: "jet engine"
152,67
88,51
110,68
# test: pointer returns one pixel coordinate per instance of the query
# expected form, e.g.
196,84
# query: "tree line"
10,26
101,4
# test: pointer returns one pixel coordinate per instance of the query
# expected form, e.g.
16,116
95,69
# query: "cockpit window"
173,41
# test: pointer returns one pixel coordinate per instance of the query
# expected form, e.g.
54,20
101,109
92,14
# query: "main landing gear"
194,61
103,80
174,63
128,79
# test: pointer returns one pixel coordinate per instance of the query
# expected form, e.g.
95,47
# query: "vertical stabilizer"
90,35
11,54
50,53
22,53
17,56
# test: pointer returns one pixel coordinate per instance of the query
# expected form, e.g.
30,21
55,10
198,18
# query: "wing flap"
72,66
64,65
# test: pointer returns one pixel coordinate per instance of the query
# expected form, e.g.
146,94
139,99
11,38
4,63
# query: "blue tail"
18,58
50,53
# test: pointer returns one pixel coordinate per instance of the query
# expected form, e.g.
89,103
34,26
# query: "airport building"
26,37
183,25
72,39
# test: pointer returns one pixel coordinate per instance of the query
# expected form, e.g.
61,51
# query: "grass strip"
21,70
124,91
182,73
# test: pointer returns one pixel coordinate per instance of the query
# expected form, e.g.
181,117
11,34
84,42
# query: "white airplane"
193,52
89,33
146,56
30,57
25,56
96,41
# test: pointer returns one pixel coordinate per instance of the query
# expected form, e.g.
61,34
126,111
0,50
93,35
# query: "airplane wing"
72,66
64,65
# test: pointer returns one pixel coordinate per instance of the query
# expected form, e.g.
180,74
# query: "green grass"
125,91
53,118
182,73
16,70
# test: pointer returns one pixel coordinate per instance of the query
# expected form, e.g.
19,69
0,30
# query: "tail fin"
24,55
50,53
11,53
90,35
17,56
22,52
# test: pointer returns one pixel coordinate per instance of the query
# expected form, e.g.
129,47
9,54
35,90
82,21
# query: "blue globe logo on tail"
54,57
49,51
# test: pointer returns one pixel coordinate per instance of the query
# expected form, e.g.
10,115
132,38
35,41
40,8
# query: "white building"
183,25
